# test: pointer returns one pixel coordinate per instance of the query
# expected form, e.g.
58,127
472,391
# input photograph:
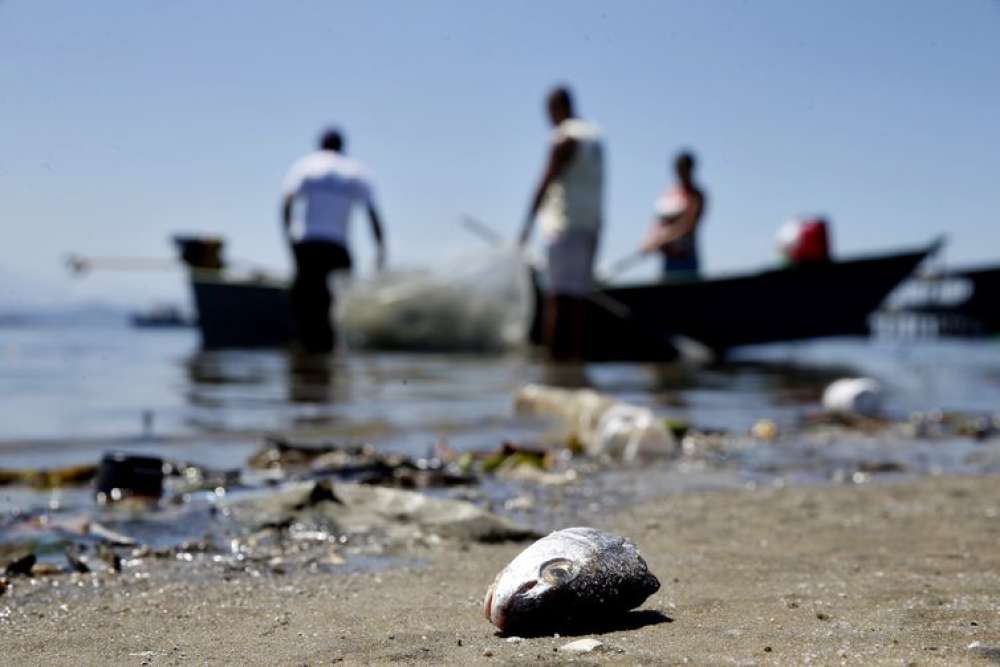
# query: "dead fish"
574,576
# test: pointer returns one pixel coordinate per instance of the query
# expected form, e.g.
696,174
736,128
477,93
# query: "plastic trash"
765,429
628,432
858,396
121,475
580,409
601,424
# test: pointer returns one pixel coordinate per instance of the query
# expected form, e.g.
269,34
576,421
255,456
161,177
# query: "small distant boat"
631,322
163,316
960,301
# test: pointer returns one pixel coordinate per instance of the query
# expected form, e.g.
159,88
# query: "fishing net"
481,302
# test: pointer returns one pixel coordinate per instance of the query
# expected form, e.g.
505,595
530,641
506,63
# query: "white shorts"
571,263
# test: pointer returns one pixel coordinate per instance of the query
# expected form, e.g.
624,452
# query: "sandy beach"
893,574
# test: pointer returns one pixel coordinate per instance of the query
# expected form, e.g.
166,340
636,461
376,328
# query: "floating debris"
109,536
186,477
122,476
856,396
836,423
765,429
940,423
522,472
21,566
519,504
75,563
629,432
570,578
600,424
358,463
354,509
281,453
511,454
52,478
110,557
45,569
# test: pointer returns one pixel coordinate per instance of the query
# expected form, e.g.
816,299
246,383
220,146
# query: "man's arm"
560,156
668,230
286,215
376,221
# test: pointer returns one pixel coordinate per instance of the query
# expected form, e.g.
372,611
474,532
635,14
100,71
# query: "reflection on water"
88,389
311,379
234,381
569,375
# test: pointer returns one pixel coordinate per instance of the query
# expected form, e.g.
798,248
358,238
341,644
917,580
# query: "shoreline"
879,573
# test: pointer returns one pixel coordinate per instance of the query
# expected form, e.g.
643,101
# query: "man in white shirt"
320,191
569,202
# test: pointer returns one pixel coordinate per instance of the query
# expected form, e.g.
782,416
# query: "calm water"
70,394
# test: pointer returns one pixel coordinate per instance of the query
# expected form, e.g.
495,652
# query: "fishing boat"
234,311
787,303
956,302
627,322
161,316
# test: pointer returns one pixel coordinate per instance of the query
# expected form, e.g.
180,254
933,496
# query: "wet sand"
893,574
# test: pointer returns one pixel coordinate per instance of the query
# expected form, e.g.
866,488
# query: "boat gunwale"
865,258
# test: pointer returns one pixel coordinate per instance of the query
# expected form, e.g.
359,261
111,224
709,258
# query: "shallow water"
70,394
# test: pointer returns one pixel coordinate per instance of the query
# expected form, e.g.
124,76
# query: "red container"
813,243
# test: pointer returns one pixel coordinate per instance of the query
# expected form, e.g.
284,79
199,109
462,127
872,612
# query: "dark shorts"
310,294
320,257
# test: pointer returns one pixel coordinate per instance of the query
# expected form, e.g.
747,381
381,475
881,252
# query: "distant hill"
29,302
85,314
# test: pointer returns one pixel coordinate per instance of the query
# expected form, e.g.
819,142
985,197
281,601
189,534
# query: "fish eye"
557,571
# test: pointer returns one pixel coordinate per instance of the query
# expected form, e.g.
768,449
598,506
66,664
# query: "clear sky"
124,122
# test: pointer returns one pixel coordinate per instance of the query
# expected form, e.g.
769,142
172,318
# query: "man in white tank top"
569,203
320,191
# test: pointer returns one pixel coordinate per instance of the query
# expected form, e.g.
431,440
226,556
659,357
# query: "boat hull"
644,322
978,314
241,314
638,322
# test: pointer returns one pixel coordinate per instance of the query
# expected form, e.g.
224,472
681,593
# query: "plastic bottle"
860,396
